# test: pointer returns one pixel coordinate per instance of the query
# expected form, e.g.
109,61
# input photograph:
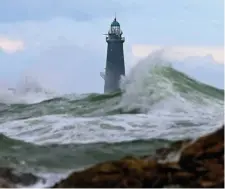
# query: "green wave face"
70,156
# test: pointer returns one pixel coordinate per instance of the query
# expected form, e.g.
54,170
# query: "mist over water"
67,131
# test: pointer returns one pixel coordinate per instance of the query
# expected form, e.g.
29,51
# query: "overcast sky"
60,42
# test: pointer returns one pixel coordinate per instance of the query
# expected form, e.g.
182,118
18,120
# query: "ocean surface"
51,135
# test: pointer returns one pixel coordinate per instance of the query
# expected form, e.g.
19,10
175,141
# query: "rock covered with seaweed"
198,163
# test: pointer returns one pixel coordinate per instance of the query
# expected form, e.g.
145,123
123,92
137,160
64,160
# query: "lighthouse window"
115,29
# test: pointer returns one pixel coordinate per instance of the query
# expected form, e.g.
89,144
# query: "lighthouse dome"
115,23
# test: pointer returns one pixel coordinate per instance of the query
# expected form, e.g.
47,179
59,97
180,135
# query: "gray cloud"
84,10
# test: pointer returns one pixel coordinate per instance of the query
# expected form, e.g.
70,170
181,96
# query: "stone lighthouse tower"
115,67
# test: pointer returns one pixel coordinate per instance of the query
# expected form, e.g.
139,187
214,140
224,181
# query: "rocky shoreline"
186,163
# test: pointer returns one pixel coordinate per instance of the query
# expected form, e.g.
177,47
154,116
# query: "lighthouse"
115,67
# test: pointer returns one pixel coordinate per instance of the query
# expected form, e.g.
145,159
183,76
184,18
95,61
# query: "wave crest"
154,83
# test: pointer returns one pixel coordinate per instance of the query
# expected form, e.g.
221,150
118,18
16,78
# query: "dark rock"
200,165
6,184
11,176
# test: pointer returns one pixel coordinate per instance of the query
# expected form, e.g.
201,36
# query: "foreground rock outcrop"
10,178
198,164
